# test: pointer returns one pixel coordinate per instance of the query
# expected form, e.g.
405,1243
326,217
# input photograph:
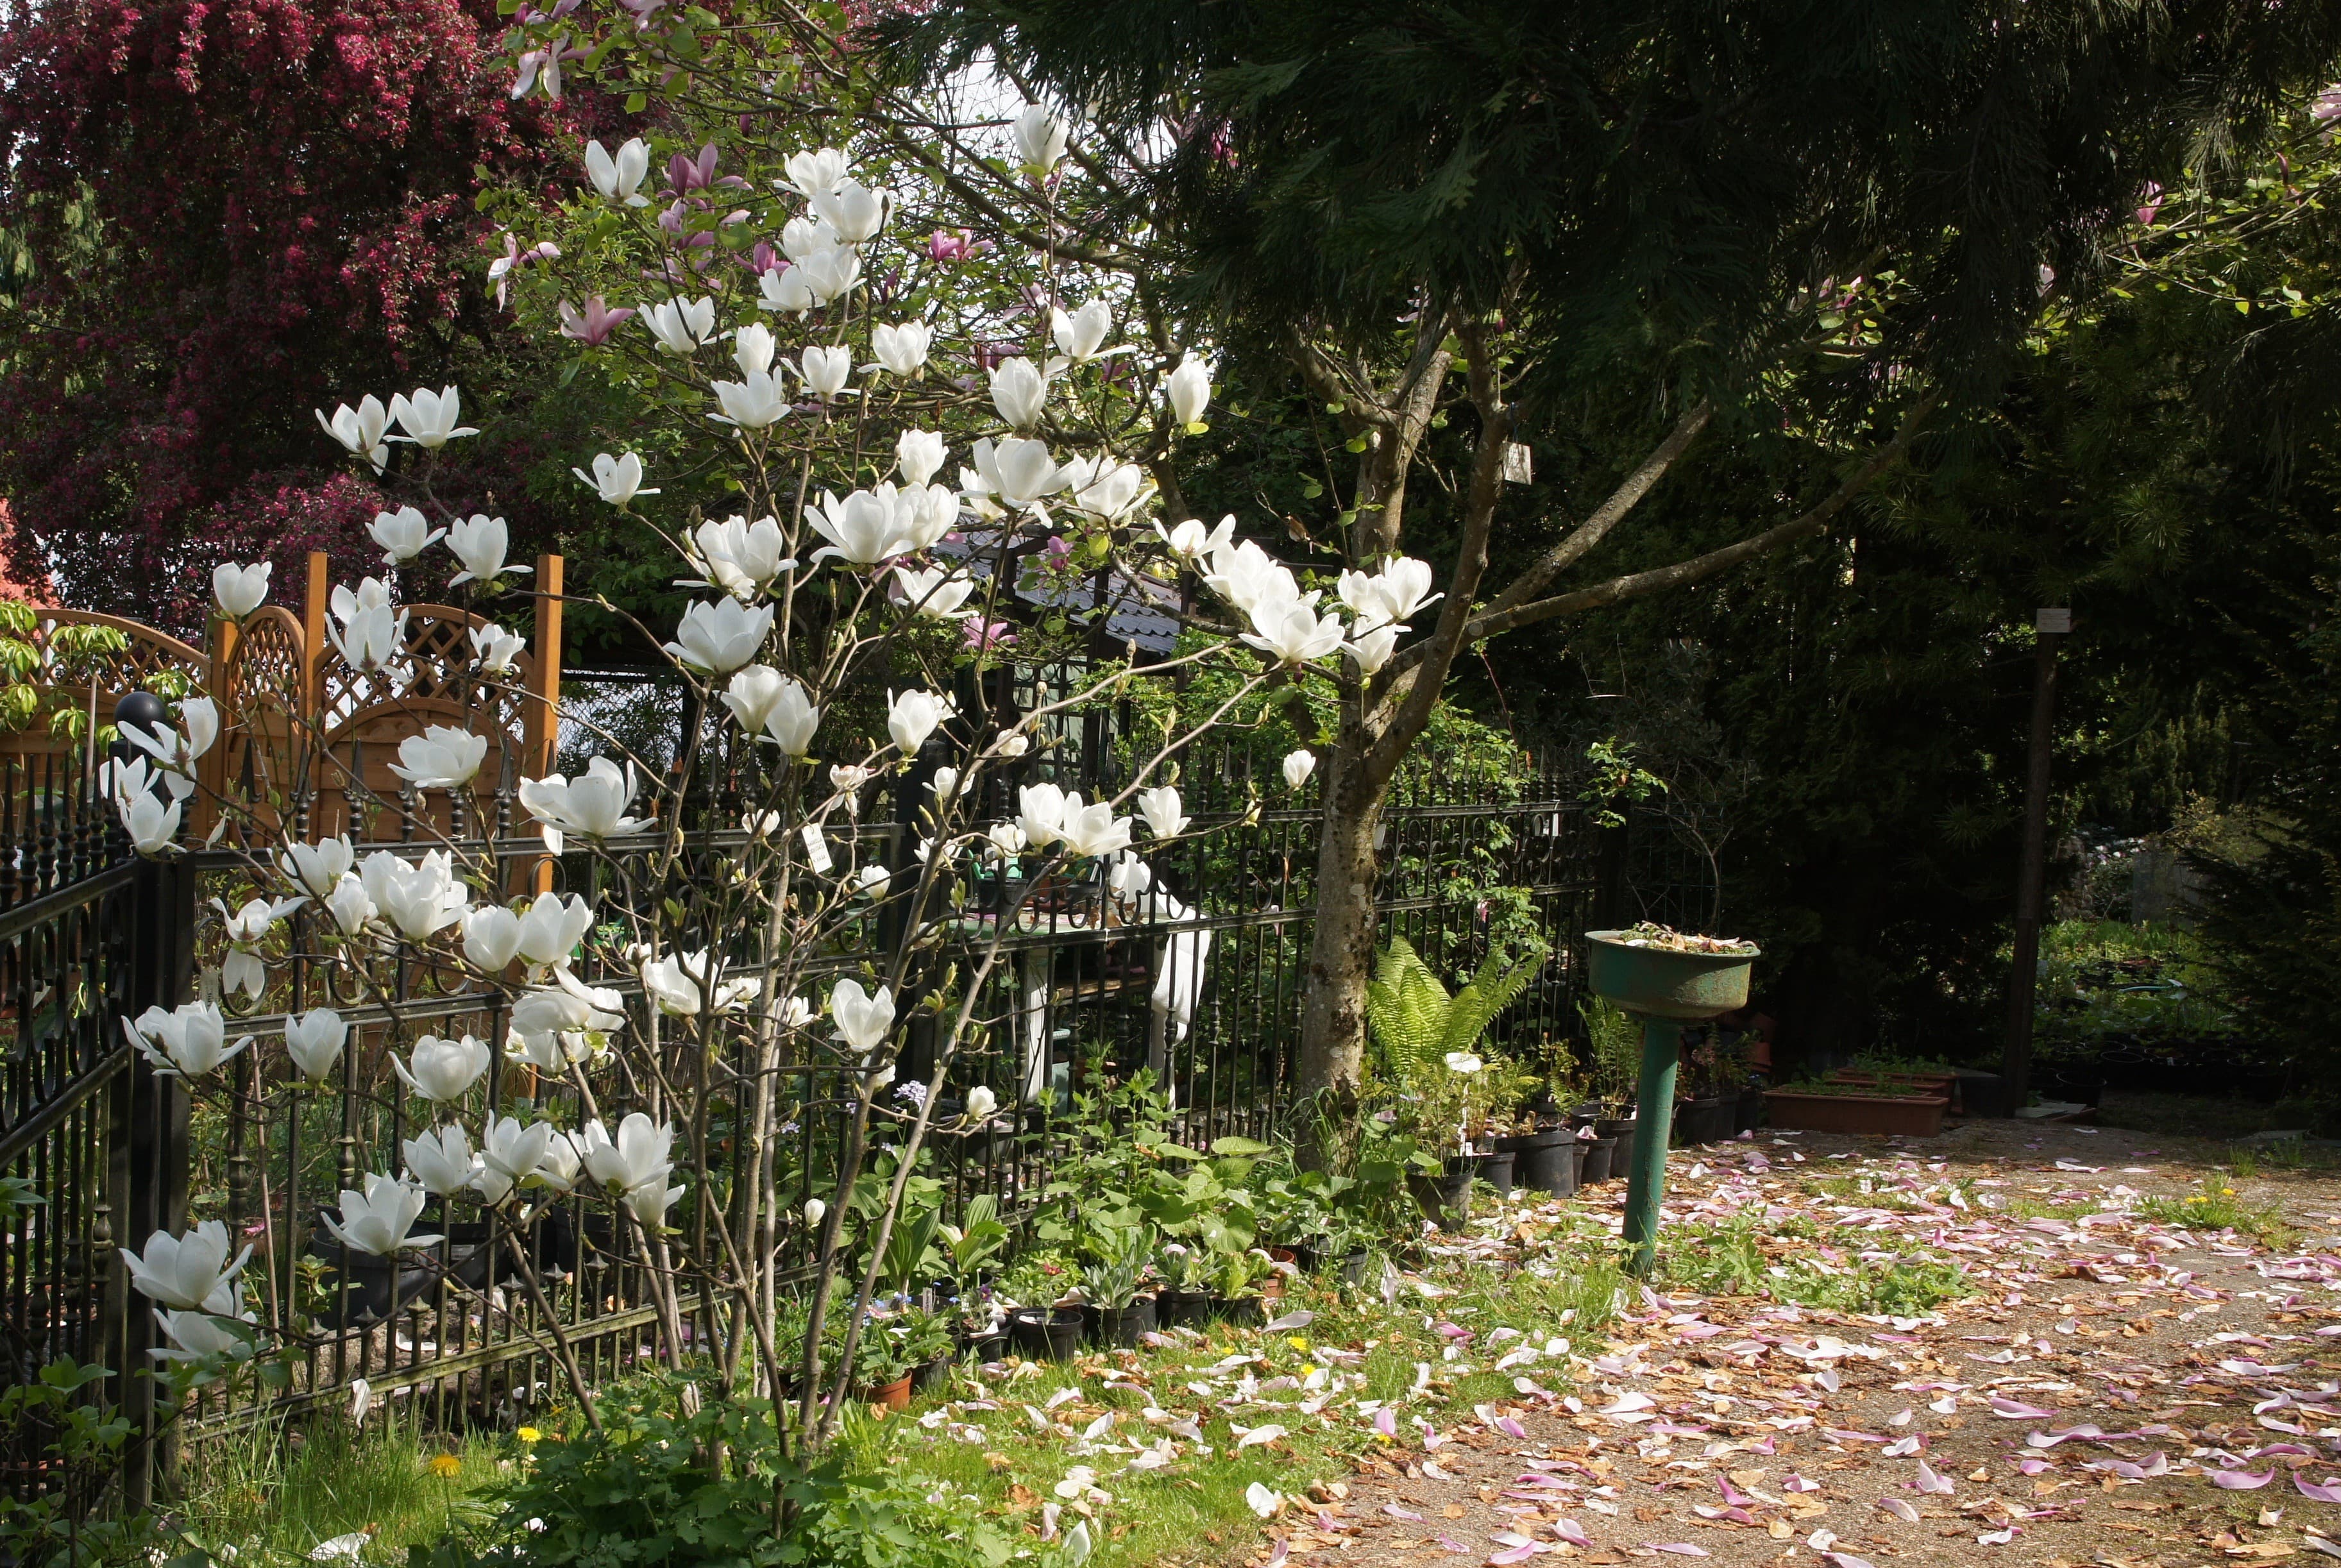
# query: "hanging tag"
1520,463
816,850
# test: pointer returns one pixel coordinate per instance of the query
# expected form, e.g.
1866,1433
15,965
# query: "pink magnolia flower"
685,172
594,325
982,636
501,270
949,245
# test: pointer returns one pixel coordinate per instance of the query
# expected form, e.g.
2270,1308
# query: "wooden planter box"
1920,1083
1902,1115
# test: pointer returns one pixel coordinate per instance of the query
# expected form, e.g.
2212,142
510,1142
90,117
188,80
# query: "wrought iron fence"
1209,1000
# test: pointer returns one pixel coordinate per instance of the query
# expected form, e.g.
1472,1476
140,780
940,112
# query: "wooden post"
2023,961
307,768
540,721
219,682
312,630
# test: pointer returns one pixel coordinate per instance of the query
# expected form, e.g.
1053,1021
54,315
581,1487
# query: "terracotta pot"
894,1395
1919,1082
1911,1115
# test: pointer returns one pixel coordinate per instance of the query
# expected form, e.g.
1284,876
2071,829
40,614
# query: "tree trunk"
1341,956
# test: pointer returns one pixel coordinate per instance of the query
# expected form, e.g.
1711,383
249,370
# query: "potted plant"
881,1374
1236,1280
1185,1299
1613,1048
1889,1107
928,1343
1705,1115
1110,1287
1929,1076
1448,1086
969,1249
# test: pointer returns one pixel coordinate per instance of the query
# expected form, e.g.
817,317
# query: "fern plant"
1430,1038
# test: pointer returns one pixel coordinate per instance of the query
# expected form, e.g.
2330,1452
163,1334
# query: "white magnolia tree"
880,399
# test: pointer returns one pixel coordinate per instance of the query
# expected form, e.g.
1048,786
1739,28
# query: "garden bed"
1893,1115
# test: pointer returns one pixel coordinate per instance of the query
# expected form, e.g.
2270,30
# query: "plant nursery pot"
1699,1121
1353,1267
1528,1143
377,1286
983,1344
1549,1168
1121,1327
1182,1308
1243,1311
1622,1129
1272,1287
1446,1199
1045,1332
926,1375
1912,1116
894,1395
2081,1087
1496,1170
1750,1114
1599,1154
1982,1094
1659,984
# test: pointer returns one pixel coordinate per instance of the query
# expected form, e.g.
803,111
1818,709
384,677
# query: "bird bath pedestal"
1664,989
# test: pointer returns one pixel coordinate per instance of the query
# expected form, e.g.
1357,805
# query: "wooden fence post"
540,721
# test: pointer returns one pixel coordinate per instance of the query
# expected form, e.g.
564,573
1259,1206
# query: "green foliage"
1429,1038
63,1403
1613,1050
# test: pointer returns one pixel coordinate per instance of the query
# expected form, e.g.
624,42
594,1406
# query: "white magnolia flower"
1013,743
1040,139
649,1202
914,716
681,326
1040,813
403,535
189,1041
722,636
349,906
1007,839
241,967
641,1153
685,984
360,430
317,867
1162,808
903,350
846,779
917,454
1079,335
419,899
479,542
1128,878
240,589
1246,577
592,805
982,1101
1191,543
754,689
441,1070
1294,634
1019,390
377,1220
178,749
1391,596
796,1013
753,348
490,937
442,1160
429,418
757,401
1373,650
815,1211
619,178
864,1018
851,208
370,639
1093,829
1297,766
935,591
740,557
864,529
199,1336
811,173
557,1171
1463,1062
313,1041
1190,390
617,478
509,1154
945,784
1019,472
1105,489
152,823
801,237
495,648
814,279
792,719
870,880
189,1272
565,1014
825,371
551,929
441,757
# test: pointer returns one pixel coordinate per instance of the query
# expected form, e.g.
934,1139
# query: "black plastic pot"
1702,1121
1353,1267
1622,1129
983,1344
1599,1155
1550,1165
1120,1327
1496,1170
1046,1332
1447,1199
928,1375
2077,1086
1750,1114
377,1286
1182,1308
1244,1311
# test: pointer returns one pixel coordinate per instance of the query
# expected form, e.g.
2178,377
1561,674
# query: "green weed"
2217,1207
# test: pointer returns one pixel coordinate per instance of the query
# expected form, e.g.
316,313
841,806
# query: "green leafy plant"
1613,1052
1430,1038
1120,1257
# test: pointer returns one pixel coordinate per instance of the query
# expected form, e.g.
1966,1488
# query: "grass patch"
1745,1256
274,1492
2217,1206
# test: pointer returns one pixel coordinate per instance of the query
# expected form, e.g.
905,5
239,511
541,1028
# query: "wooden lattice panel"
148,654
